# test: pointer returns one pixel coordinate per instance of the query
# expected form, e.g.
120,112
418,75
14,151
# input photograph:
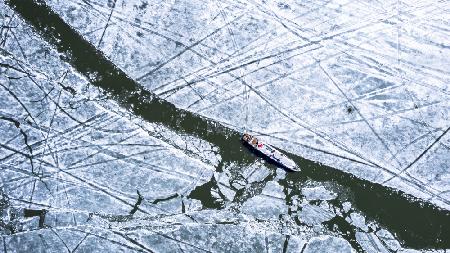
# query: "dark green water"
417,224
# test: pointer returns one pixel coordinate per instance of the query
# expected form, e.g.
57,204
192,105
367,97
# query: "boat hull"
287,164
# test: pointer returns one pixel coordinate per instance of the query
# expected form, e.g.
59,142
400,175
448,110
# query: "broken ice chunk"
359,221
325,244
312,215
318,193
264,207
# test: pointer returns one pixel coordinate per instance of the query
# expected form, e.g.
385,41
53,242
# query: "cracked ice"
362,86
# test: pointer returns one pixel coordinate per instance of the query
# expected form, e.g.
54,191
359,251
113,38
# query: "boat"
269,153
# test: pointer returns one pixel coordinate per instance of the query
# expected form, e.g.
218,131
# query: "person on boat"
272,153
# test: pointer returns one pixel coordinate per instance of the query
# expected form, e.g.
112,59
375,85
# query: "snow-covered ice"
359,85
352,84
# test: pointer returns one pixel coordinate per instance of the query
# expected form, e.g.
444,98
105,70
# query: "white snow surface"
92,159
362,86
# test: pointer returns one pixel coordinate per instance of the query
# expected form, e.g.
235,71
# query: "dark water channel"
415,223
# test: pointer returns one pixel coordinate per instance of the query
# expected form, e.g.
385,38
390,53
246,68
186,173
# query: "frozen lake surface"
361,86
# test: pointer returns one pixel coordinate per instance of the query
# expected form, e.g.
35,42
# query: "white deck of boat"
273,153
